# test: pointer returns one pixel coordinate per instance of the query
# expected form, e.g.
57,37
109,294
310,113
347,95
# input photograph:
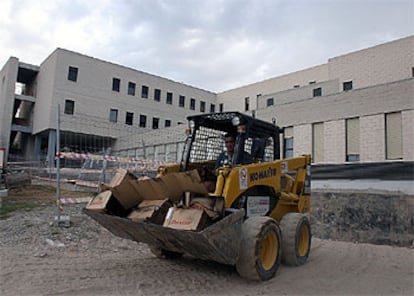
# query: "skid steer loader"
258,211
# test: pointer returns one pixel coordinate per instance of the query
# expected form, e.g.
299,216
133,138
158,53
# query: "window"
69,107
167,123
296,86
113,115
212,108
288,142
131,88
142,120
192,104
352,139
246,104
317,92
347,85
144,92
155,122
412,71
393,135
157,95
221,107
116,84
129,118
317,142
181,102
312,82
73,73
269,102
202,106
169,98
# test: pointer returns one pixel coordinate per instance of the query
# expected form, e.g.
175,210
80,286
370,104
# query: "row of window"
129,116
131,90
129,119
393,139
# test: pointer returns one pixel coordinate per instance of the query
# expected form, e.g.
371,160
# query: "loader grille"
209,143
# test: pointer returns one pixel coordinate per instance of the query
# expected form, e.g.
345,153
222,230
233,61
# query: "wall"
334,142
94,97
8,78
408,134
363,216
234,99
380,64
44,116
372,138
299,94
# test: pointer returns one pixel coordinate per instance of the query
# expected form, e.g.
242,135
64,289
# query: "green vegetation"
9,207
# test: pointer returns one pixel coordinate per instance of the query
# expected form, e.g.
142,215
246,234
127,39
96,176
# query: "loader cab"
205,139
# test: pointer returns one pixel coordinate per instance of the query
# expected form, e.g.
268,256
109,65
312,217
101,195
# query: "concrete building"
358,107
99,102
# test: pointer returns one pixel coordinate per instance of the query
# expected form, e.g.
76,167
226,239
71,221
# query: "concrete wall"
45,107
94,97
299,94
408,134
234,99
334,141
385,98
380,64
8,78
372,140
363,216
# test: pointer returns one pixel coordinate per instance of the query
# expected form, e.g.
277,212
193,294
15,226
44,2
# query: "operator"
226,157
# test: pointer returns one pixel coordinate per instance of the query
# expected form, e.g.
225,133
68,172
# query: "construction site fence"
84,171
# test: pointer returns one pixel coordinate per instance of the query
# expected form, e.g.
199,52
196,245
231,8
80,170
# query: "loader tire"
164,254
297,237
260,250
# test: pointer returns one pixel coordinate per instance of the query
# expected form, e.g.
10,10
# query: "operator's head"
230,141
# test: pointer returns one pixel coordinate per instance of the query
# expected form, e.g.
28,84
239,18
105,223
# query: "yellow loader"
259,208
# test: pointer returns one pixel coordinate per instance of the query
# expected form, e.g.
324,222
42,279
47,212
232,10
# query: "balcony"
21,125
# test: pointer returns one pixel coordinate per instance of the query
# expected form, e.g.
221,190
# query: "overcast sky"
212,44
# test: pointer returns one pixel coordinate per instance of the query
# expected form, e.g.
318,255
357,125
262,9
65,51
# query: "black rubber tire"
260,250
164,254
296,239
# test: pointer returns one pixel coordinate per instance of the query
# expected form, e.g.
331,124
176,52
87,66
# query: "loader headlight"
236,121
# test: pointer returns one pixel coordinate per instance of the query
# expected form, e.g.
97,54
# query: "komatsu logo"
270,172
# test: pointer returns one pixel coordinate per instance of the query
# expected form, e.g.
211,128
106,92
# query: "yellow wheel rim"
268,254
303,240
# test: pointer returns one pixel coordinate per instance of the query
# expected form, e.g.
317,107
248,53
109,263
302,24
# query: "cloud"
212,44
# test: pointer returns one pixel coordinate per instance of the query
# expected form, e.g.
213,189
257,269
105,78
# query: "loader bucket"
218,242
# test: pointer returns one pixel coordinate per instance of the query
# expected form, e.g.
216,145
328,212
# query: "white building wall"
380,64
302,139
94,97
234,99
334,142
372,137
44,116
408,134
8,77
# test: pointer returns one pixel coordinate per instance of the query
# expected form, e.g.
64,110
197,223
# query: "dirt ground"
39,258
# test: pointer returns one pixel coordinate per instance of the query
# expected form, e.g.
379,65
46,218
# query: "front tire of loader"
296,235
164,254
260,251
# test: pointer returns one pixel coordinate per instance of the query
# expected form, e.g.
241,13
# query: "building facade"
358,107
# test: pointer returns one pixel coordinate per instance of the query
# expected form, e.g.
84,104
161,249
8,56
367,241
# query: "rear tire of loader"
164,254
297,237
260,251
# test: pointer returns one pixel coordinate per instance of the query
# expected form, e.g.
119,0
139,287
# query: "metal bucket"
218,242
